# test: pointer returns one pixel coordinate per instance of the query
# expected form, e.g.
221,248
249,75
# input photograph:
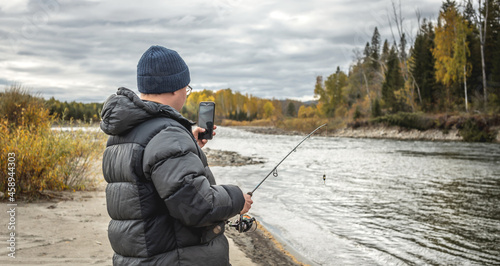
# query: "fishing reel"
243,224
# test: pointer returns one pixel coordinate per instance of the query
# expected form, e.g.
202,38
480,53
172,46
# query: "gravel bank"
379,132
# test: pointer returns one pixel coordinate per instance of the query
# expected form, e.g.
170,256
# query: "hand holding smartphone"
206,115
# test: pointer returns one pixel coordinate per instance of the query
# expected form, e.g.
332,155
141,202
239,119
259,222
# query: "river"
384,202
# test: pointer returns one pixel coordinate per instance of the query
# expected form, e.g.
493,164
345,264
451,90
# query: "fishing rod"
244,223
275,169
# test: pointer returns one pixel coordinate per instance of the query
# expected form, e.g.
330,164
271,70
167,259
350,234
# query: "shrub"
45,159
475,130
407,120
20,108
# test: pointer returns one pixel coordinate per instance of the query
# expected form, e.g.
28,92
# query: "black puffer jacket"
162,198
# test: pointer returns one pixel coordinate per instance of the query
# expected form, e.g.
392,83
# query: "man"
161,195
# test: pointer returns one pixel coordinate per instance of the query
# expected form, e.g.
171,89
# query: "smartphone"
206,116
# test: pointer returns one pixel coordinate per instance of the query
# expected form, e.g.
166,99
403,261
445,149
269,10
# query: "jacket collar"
125,110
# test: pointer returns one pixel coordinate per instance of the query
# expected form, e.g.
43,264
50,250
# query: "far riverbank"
377,132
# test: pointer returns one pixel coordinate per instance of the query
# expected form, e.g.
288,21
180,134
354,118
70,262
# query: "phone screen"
206,115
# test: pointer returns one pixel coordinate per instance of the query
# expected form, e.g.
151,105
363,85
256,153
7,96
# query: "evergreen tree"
385,54
469,12
290,109
376,109
492,48
447,5
375,49
492,32
367,52
422,66
495,74
402,47
386,49
474,83
393,80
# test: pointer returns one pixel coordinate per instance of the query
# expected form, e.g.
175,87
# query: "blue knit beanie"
161,70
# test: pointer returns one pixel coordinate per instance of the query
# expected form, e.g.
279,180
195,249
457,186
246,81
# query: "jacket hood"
125,110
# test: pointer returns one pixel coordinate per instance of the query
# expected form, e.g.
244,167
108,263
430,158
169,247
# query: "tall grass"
45,159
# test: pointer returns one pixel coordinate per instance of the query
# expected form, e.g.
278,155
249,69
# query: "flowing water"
384,202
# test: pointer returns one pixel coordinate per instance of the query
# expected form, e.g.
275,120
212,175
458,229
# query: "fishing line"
245,222
275,169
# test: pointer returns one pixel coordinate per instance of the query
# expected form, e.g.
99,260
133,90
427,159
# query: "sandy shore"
71,229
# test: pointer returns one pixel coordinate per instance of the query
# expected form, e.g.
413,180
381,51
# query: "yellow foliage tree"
450,49
268,110
306,112
331,94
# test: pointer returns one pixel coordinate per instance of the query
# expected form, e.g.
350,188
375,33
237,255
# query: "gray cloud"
84,50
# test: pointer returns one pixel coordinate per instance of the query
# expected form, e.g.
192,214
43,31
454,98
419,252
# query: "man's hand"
248,203
201,142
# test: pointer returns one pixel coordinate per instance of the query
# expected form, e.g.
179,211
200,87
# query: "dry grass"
42,158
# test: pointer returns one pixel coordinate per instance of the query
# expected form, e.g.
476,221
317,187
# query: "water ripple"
384,202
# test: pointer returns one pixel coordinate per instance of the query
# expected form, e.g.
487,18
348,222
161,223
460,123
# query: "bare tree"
464,46
398,20
482,39
362,66
465,81
482,23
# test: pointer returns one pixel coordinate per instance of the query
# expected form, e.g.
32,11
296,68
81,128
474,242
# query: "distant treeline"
238,107
229,105
61,111
77,111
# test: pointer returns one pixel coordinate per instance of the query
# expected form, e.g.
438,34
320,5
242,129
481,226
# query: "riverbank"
378,132
71,228
258,245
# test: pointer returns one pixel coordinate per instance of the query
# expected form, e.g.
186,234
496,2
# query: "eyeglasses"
188,90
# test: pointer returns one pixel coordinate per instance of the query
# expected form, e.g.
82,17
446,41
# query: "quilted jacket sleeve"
171,162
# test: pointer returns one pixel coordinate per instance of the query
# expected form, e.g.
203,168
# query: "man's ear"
178,91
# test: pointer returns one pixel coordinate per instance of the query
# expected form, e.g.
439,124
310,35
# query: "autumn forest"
450,67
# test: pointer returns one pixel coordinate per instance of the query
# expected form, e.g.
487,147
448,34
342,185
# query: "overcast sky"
84,50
